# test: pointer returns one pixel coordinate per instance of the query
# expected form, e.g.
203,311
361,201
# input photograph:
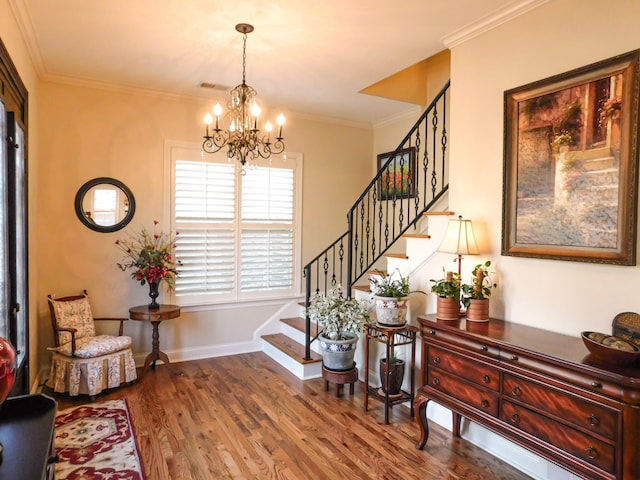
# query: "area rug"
96,441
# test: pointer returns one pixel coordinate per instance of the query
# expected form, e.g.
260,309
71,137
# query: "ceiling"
305,56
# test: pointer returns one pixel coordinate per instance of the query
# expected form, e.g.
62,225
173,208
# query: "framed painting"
571,165
398,179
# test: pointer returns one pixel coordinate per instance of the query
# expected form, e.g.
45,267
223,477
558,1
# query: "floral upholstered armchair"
83,362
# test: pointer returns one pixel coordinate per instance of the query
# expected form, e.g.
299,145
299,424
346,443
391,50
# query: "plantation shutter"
236,233
205,216
267,230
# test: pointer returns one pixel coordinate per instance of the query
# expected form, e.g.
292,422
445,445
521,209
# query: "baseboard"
199,353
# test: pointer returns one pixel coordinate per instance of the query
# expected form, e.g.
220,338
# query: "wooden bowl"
608,354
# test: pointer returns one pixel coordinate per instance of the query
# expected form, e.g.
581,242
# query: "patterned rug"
96,442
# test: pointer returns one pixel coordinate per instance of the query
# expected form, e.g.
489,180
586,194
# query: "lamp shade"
459,238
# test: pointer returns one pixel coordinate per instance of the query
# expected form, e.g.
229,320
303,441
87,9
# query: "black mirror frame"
82,191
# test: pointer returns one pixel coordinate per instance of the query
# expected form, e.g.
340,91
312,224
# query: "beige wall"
558,36
89,133
13,41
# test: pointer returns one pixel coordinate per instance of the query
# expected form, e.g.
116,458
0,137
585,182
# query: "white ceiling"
305,56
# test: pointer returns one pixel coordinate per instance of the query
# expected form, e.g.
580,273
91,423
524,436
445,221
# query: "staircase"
392,225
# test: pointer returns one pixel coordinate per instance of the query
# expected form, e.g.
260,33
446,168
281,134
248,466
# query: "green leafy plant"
392,285
337,315
481,286
447,287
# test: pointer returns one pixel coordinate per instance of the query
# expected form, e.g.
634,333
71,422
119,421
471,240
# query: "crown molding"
410,114
490,21
25,25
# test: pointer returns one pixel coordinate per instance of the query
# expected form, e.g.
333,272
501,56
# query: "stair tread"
299,323
429,213
416,235
362,288
292,348
396,255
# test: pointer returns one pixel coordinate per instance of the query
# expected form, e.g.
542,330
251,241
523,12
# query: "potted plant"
475,296
447,290
390,293
342,320
395,367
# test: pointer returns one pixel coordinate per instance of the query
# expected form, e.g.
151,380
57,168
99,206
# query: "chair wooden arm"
72,331
121,320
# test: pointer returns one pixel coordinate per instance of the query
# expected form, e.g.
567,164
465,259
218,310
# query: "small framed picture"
399,176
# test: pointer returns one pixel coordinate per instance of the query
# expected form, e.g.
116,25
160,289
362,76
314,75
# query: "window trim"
192,151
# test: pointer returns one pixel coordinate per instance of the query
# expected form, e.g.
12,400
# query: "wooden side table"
391,337
143,313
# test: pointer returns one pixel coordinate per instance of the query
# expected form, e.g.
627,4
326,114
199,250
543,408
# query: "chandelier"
243,139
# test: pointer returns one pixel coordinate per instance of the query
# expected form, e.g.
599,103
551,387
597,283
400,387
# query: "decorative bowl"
609,354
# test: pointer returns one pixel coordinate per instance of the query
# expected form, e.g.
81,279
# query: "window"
14,291
238,234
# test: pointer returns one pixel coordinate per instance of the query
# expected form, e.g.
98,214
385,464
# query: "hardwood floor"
246,417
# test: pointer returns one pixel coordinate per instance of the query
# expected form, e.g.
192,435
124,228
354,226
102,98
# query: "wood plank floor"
246,417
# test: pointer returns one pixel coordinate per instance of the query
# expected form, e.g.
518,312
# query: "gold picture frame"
571,164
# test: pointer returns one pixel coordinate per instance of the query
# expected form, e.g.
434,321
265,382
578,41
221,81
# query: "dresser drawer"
574,442
465,367
484,400
579,379
467,343
589,415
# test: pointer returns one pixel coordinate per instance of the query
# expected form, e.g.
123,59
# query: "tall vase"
153,293
7,368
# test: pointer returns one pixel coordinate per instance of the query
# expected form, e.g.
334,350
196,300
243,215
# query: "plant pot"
390,311
478,310
338,355
448,309
396,375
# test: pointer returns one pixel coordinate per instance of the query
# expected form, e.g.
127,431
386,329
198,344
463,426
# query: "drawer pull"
514,358
596,384
592,453
484,349
486,378
515,418
436,381
485,403
432,332
436,359
516,391
593,420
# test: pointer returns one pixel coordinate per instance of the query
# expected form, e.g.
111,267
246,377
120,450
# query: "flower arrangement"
336,314
610,109
150,255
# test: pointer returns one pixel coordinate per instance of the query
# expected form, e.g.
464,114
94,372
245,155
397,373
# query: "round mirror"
105,204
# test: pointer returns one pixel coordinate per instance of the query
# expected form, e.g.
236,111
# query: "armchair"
83,362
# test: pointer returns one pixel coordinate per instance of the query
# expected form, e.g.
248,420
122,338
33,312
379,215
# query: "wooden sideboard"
539,389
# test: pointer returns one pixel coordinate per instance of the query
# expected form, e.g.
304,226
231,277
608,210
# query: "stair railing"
409,183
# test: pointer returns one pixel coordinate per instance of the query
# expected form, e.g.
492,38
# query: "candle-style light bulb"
280,121
268,127
217,110
207,121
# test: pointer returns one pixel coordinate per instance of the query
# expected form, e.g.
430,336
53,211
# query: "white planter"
390,311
